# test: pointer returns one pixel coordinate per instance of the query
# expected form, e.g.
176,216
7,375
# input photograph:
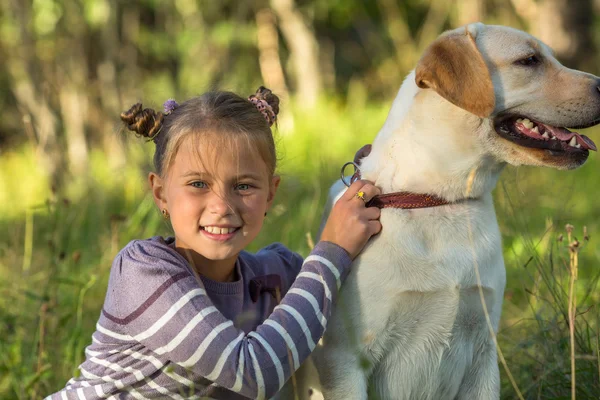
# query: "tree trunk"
469,11
304,51
268,50
27,84
109,90
270,64
568,29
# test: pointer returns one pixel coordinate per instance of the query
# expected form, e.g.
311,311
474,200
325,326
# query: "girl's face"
217,203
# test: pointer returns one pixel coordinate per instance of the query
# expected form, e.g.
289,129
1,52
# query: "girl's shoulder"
150,255
143,270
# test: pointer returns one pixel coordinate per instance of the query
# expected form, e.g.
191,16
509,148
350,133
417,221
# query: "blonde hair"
225,114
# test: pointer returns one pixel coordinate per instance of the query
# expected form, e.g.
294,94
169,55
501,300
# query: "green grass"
56,250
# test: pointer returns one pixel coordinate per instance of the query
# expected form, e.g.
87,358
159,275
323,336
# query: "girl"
194,315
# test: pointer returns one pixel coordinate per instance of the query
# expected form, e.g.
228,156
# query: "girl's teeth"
215,230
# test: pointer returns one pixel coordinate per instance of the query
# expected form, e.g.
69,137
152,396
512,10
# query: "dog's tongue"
565,135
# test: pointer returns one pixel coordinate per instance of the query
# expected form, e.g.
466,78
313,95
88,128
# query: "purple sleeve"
182,325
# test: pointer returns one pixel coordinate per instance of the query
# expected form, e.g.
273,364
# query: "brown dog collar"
406,200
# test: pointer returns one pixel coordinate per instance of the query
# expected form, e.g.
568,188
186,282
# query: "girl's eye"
242,186
198,184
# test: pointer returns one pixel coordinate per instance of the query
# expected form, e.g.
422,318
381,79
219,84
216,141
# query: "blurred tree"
27,70
71,66
566,26
304,50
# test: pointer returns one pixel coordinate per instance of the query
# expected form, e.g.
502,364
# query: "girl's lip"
220,237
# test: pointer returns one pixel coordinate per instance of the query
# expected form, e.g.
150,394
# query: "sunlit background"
73,183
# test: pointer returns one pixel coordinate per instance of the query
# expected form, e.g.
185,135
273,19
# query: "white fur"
409,322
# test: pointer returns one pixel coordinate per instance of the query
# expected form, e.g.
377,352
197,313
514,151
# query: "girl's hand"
351,224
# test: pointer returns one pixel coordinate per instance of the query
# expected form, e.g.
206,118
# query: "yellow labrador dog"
410,322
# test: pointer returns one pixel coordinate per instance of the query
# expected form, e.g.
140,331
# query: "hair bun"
143,121
263,93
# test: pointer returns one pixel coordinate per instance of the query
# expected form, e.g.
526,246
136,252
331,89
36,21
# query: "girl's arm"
183,326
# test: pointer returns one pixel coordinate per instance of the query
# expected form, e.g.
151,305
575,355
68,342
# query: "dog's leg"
341,373
482,379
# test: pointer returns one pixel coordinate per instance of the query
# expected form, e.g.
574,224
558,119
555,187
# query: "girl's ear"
273,189
158,192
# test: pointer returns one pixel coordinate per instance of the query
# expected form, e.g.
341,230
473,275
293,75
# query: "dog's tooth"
573,142
545,135
553,138
528,124
578,145
536,130
520,120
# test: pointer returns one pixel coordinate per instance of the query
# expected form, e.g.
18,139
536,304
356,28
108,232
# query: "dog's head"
513,82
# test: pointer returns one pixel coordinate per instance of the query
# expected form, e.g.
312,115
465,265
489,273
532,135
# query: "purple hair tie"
265,109
169,106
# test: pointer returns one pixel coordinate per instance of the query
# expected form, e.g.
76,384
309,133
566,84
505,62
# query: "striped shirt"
164,334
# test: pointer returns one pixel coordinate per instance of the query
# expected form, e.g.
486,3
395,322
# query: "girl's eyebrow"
255,177
193,173
247,176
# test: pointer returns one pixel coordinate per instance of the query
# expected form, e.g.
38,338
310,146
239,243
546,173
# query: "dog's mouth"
527,132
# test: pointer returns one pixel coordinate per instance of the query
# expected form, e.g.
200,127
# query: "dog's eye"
529,61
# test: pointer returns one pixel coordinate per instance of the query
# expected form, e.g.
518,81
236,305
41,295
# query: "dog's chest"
419,279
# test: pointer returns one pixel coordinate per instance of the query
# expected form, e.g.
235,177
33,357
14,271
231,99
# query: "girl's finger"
372,213
353,190
374,227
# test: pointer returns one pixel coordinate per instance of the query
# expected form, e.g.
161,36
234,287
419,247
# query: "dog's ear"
455,69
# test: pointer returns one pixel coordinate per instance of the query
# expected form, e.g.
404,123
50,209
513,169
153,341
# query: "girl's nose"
219,204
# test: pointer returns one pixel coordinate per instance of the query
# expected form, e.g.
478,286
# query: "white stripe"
302,322
328,264
159,365
169,314
80,394
88,375
318,278
99,391
162,390
224,355
110,333
276,361
63,395
288,341
94,353
117,368
313,301
260,382
176,341
205,343
139,356
239,378
135,394
96,340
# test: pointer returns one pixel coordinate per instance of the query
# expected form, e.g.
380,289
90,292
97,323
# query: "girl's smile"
220,233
